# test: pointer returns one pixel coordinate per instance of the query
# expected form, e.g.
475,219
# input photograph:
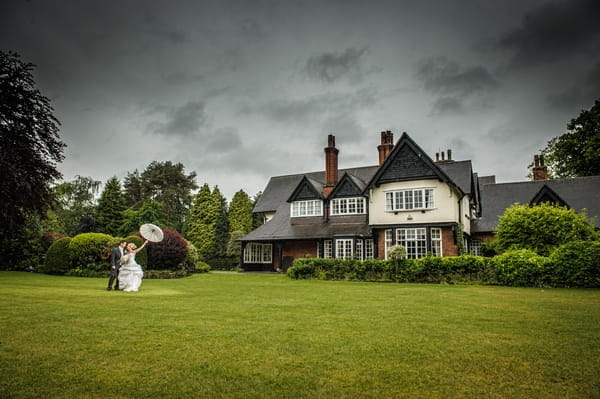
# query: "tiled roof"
578,193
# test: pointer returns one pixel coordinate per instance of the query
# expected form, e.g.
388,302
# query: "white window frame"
414,240
344,248
258,253
359,249
411,199
387,241
475,248
436,241
307,208
327,249
369,249
348,206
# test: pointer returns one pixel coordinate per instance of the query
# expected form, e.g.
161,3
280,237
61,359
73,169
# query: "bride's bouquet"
124,259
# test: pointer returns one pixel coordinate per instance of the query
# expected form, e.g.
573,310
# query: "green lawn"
226,335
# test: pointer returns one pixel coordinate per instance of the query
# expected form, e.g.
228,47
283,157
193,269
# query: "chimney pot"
437,157
386,146
449,154
539,171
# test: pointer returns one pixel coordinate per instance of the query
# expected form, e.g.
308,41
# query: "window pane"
418,195
408,200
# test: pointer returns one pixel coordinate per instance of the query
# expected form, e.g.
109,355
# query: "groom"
115,257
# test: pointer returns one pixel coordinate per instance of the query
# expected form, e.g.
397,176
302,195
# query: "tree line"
34,209
162,194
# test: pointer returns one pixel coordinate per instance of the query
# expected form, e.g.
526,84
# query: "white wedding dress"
130,274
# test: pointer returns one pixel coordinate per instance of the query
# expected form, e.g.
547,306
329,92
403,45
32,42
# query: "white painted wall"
445,210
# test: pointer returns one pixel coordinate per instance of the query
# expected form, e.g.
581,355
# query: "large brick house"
430,207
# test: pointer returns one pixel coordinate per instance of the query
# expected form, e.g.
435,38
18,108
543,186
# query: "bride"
130,273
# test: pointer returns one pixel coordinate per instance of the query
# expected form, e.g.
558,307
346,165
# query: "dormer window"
307,208
348,206
405,200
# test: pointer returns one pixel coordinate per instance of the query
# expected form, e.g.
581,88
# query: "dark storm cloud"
453,83
443,76
448,106
223,141
580,95
329,67
304,110
185,120
554,30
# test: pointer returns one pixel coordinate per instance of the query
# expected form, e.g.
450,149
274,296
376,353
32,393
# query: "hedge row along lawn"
228,335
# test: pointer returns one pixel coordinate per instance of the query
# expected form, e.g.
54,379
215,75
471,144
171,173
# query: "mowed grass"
226,335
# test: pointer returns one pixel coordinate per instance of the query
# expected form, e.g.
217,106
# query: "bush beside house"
575,264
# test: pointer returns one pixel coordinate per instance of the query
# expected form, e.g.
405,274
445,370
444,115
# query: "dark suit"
115,264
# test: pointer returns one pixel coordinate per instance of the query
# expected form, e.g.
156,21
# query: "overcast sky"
239,91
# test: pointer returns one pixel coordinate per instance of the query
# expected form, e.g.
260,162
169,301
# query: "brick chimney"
331,165
539,171
386,146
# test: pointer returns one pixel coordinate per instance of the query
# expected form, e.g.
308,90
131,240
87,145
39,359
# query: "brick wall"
449,247
299,249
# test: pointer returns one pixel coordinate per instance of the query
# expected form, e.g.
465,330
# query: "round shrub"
57,257
168,253
521,267
576,264
541,228
88,248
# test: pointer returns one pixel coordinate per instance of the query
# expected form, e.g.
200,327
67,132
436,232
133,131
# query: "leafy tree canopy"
150,212
577,152
75,205
541,228
30,146
167,183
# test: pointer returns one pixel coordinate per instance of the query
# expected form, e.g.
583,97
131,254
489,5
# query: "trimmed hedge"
576,264
521,268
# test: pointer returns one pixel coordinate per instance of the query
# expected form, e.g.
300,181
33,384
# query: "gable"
348,186
407,162
406,165
546,194
307,189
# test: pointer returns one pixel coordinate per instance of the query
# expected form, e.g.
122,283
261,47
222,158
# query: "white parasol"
151,232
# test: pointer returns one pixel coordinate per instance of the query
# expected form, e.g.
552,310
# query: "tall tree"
221,223
240,213
167,183
150,212
577,152
30,148
132,186
111,205
201,229
75,205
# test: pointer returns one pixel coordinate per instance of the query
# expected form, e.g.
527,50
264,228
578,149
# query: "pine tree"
201,227
240,213
221,224
110,207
